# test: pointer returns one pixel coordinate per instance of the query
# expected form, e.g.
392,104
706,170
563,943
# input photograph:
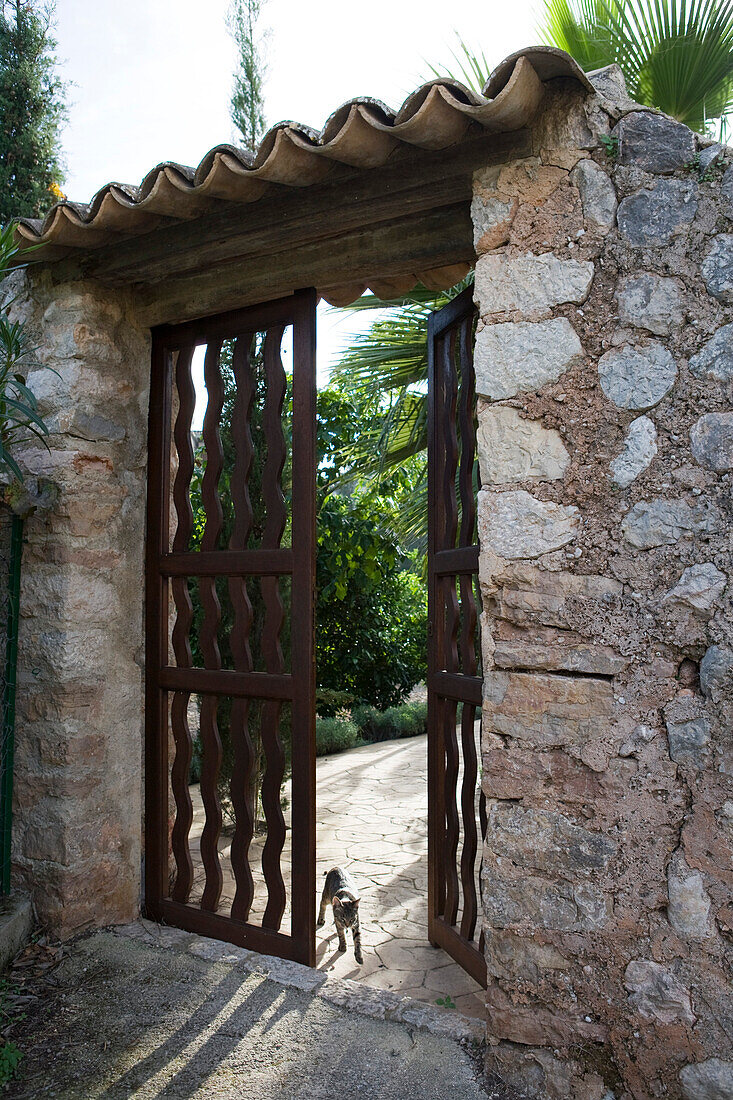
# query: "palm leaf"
675,55
471,69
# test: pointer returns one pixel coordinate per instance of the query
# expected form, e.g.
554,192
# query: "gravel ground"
117,1018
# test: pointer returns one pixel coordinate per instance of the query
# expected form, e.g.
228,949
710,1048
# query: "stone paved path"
372,819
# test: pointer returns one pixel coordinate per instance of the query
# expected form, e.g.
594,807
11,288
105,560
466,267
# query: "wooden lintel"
412,182
438,238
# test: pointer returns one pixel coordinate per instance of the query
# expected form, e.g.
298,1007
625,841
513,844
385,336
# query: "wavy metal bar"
241,788
468,812
452,621
211,762
272,494
181,794
275,520
467,428
210,738
182,629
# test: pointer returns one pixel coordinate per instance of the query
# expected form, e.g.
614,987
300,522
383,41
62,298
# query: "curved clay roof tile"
362,133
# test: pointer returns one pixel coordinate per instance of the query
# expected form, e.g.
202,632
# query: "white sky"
152,78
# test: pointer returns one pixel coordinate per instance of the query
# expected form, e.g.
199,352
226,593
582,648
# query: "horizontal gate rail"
228,563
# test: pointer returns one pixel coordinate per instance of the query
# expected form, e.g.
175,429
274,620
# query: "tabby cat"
341,892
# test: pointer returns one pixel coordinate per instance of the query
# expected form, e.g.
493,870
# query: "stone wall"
604,365
77,806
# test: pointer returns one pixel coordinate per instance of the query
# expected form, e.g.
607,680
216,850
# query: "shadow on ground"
119,1018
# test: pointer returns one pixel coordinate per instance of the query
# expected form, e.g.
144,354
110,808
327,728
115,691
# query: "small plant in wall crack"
446,1002
610,144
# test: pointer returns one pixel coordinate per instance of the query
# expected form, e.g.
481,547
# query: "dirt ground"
118,1018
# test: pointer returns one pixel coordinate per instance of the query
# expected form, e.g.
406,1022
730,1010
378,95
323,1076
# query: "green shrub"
335,735
363,718
407,720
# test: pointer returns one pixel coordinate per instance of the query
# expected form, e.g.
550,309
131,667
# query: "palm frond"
676,55
471,69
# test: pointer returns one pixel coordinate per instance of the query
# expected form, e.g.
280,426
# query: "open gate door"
456,807
230,673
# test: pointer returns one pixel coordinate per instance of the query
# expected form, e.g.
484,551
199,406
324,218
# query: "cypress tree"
32,110
247,103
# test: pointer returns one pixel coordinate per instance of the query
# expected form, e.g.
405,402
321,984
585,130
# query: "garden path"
372,819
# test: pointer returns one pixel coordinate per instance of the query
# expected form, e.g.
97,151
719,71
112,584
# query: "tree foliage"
247,104
371,605
19,416
32,110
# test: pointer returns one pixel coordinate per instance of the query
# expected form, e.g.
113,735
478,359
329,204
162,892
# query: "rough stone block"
651,302
511,956
597,195
513,448
709,155
637,377
712,441
518,591
545,841
656,993
688,731
525,773
717,269
96,428
559,656
699,587
716,358
492,220
655,215
640,447
523,357
716,672
664,522
708,1080
689,905
536,901
515,524
546,711
654,142
527,284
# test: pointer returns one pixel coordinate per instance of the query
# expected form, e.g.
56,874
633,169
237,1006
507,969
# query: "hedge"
335,735
407,720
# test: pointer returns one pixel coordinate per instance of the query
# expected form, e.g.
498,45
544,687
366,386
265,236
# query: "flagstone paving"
372,819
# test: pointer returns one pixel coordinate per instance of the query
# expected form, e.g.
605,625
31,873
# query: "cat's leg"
322,911
356,932
341,933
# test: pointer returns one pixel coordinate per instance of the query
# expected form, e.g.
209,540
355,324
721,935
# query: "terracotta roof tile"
361,133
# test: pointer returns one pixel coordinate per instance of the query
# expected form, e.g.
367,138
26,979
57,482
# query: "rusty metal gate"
230,674
230,678
456,806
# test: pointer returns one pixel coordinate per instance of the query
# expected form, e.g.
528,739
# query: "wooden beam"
439,238
412,182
